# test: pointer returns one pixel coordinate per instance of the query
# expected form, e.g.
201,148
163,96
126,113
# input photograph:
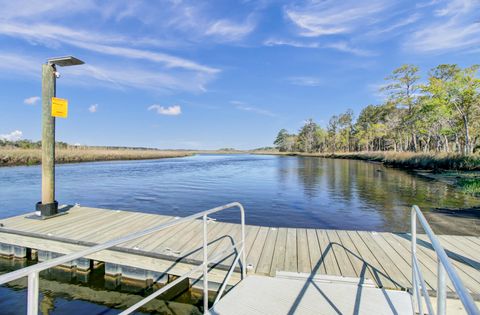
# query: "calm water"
275,190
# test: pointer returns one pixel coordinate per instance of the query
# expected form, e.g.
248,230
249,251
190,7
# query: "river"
279,191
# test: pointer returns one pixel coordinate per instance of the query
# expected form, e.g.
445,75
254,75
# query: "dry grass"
410,160
16,156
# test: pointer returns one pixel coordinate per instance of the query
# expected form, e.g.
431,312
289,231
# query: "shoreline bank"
403,160
27,157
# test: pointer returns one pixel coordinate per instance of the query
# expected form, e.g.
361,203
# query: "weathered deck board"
400,262
329,259
361,268
385,260
344,263
316,261
381,257
303,256
266,257
257,246
381,275
427,264
278,259
291,263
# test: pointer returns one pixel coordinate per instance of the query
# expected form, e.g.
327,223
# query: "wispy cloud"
342,46
293,43
305,81
16,63
174,110
32,100
111,75
319,18
147,79
93,108
245,107
231,31
396,26
345,47
12,136
48,34
376,89
144,64
454,26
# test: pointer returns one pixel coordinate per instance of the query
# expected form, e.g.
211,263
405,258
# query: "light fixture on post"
48,207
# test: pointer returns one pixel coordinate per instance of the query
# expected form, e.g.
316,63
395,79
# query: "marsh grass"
17,156
470,185
410,160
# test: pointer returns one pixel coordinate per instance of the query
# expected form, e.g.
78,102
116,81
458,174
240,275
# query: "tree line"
441,114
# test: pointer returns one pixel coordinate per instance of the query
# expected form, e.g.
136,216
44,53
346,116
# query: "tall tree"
345,122
281,142
458,91
402,90
307,140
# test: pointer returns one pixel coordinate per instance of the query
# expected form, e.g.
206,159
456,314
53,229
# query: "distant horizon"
213,75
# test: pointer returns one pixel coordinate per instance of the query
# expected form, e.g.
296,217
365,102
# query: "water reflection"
275,190
372,192
64,291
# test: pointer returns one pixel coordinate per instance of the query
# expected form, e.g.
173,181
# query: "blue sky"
206,75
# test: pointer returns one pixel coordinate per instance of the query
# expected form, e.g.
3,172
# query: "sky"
215,74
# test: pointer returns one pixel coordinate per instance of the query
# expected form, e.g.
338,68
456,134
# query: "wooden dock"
381,257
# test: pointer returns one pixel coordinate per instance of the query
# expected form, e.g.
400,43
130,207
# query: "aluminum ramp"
294,295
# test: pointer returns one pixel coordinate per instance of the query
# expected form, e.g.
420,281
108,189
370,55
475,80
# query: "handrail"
32,272
444,266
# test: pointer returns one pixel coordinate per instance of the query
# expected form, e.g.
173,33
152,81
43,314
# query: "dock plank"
291,260
361,268
278,260
257,246
381,276
427,264
303,255
401,262
385,261
316,261
331,265
266,258
469,275
344,263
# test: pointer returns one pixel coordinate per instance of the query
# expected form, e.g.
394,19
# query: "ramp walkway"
259,295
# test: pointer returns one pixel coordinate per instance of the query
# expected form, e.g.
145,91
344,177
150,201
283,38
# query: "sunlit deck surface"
383,258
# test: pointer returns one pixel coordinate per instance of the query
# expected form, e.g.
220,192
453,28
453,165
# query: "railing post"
32,295
244,256
441,289
205,266
413,236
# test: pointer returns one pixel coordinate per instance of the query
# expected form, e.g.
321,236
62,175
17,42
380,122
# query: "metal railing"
444,267
32,272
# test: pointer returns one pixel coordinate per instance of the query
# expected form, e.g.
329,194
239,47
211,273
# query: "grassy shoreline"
404,160
18,157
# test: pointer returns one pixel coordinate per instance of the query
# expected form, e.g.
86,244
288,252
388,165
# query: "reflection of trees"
339,177
284,169
372,191
92,292
309,172
391,192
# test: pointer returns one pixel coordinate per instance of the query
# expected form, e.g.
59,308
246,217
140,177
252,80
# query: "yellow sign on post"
59,107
